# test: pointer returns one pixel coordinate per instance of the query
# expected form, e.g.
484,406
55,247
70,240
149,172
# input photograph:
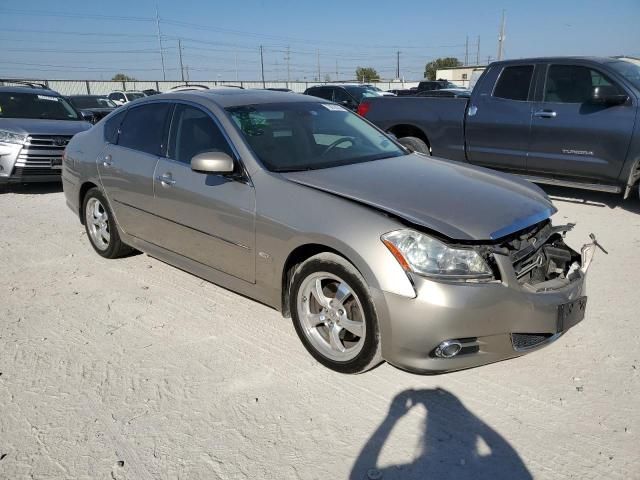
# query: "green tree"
431,68
121,77
367,74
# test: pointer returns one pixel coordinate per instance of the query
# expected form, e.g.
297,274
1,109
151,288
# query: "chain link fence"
104,87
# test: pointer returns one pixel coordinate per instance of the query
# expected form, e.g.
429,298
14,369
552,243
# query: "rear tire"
415,144
333,314
100,225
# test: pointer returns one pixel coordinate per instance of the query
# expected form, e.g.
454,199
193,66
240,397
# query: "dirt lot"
131,369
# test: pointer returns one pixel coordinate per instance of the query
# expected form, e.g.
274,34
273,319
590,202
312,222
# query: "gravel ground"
132,369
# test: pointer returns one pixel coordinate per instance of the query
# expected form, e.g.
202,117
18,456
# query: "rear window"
514,83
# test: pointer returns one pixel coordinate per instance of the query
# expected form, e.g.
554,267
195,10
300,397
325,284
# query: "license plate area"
570,314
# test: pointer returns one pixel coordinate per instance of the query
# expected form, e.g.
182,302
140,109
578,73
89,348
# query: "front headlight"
424,255
11,137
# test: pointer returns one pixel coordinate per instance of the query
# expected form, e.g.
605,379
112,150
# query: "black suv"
426,85
348,95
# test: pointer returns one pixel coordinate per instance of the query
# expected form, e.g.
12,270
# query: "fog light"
448,349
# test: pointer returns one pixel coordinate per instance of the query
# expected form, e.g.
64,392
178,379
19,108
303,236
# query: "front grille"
34,171
523,341
42,152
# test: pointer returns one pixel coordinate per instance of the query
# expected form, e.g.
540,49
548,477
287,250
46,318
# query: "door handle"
166,180
545,114
106,161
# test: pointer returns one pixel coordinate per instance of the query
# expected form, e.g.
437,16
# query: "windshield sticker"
47,97
332,107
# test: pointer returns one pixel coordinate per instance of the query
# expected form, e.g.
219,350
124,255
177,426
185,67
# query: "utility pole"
180,53
337,79
164,75
466,51
235,53
318,65
501,38
288,59
478,52
398,64
262,66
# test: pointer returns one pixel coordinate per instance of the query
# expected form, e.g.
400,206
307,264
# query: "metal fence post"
88,88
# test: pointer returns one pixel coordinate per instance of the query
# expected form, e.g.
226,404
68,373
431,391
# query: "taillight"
363,108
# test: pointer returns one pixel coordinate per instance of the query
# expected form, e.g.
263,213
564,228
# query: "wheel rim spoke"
334,339
351,326
318,294
342,293
315,319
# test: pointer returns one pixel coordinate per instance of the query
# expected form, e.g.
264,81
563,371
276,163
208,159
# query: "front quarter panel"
291,215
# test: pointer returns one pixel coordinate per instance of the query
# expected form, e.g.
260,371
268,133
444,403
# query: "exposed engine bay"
541,259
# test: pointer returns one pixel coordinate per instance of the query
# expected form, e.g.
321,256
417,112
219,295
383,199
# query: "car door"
127,164
207,218
499,121
573,136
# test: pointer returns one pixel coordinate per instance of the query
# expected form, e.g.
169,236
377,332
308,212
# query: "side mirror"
212,162
88,116
608,95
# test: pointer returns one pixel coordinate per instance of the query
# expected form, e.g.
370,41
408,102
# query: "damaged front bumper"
539,293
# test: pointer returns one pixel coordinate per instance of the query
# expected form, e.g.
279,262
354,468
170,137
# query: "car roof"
556,59
25,89
233,97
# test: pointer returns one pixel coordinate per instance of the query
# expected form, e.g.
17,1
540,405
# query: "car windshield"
34,105
362,92
92,102
297,136
629,70
134,96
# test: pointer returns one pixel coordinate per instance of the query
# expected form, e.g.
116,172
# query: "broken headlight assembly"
429,257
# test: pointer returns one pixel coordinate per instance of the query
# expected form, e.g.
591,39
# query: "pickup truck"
565,121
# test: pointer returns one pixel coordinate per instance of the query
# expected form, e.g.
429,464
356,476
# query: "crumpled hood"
459,201
43,127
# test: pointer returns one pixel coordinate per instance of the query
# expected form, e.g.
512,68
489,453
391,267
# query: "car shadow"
592,198
455,444
32,188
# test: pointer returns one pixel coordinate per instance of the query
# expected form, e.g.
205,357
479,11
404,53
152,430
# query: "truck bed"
443,118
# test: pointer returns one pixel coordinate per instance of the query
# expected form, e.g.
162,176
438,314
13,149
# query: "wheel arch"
297,256
84,188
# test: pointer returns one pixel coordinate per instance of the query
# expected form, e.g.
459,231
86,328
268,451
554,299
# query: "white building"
465,76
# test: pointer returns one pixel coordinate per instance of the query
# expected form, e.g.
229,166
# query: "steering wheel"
336,143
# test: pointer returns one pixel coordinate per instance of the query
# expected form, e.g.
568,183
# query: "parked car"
348,95
302,205
446,92
274,89
564,121
120,98
35,126
427,85
150,91
402,92
96,106
195,87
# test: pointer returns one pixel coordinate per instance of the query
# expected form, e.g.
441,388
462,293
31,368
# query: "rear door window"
514,83
143,128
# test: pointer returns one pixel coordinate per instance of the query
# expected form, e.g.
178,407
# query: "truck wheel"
415,145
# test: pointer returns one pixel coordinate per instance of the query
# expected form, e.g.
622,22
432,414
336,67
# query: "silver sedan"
376,253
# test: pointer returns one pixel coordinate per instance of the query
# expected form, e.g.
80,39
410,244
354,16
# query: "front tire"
100,225
415,144
333,314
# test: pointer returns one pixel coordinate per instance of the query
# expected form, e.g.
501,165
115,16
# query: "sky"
92,40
